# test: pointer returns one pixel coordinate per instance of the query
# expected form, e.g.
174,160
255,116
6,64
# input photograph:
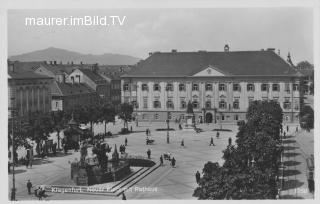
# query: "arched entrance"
209,118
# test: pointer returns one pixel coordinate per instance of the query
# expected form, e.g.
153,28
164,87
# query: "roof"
67,89
255,63
26,75
59,68
306,72
94,76
25,66
115,71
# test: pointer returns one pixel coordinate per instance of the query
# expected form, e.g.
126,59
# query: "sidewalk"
297,147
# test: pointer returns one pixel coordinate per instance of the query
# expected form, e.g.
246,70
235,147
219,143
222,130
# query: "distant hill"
64,56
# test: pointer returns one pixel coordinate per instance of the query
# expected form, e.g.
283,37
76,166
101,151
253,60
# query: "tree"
304,65
125,113
306,117
60,121
107,115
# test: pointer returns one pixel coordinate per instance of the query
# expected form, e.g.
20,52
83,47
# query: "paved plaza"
163,183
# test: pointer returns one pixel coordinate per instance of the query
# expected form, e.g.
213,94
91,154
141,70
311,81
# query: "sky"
149,30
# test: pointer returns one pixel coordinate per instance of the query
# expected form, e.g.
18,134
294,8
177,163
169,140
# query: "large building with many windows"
220,85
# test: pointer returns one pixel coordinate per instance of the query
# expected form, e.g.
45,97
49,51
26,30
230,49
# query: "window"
195,104
169,87
287,104
250,87
222,117
145,102
222,87
78,76
170,104
72,79
264,87
183,104
222,105
156,104
275,87
182,87
144,87
236,117
250,99
296,104
156,87
276,99
208,87
195,87
135,104
169,116
126,87
295,87
156,116
236,104
236,87
287,87
208,104
57,104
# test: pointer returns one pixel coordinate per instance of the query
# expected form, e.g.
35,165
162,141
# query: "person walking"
218,134
284,133
147,132
287,128
130,128
149,153
29,186
124,196
297,128
182,143
126,142
211,142
173,162
161,160
198,177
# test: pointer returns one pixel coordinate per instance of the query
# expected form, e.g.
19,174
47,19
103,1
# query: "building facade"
28,92
220,85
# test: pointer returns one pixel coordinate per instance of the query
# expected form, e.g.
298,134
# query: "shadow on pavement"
41,161
291,154
288,141
291,184
18,171
291,172
291,163
290,148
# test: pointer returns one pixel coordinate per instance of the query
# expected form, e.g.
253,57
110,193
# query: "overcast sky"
147,30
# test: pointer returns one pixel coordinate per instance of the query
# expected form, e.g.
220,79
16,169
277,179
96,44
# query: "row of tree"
250,170
38,126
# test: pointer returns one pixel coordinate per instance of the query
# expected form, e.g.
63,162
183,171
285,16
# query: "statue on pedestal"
190,119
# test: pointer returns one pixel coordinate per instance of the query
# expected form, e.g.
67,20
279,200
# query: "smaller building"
93,79
307,81
65,96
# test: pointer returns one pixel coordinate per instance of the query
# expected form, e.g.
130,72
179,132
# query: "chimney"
279,52
55,62
271,49
174,51
71,62
226,48
45,62
150,53
50,62
81,63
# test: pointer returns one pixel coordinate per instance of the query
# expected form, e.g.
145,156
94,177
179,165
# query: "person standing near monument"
211,142
218,134
173,162
161,160
149,153
29,186
126,142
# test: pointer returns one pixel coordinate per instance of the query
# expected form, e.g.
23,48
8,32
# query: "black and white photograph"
159,102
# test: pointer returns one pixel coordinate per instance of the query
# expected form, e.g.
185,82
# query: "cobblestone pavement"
164,183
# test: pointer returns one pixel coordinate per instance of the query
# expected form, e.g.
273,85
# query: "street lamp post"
13,190
168,137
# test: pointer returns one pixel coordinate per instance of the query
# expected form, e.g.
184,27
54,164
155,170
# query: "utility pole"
13,190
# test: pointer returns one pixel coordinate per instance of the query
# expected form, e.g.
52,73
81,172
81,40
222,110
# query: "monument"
189,118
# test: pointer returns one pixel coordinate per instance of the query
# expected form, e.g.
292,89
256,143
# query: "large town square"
176,106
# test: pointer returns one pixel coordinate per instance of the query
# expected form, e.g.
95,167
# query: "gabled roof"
67,89
25,66
181,64
94,76
59,68
306,72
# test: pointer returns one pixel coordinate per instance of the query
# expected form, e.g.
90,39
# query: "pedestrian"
284,133
173,162
230,141
198,177
161,160
149,153
54,149
27,162
30,163
297,128
211,142
126,142
124,148
287,128
29,186
218,134
182,143
124,196
130,128
147,132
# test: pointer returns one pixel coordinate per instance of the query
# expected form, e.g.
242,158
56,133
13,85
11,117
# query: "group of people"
38,192
172,160
122,149
148,133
